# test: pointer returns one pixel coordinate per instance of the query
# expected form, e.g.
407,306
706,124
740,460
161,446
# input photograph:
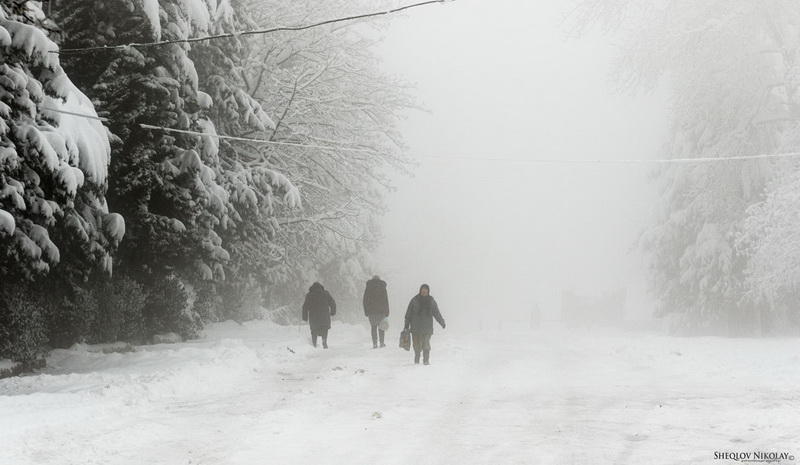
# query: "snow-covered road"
260,394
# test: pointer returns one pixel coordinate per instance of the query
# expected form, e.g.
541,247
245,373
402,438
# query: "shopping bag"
384,324
405,339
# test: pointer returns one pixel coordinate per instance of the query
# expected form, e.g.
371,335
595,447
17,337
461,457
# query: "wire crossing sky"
538,161
256,32
258,141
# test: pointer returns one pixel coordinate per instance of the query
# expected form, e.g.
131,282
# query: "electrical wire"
536,161
348,149
629,161
257,141
245,33
82,115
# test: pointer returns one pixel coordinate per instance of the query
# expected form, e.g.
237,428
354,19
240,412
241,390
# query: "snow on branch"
255,32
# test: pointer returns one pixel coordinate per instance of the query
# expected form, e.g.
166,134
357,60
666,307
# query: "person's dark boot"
324,343
374,345
416,358
426,357
382,337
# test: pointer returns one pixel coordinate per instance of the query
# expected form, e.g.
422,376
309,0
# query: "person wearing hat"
318,308
419,321
376,308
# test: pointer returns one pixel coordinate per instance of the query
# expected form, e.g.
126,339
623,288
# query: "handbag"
405,339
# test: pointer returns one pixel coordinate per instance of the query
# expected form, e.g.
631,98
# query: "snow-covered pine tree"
53,167
53,177
165,185
731,67
177,192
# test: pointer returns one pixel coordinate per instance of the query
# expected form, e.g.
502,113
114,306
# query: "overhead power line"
257,141
488,158
619,161
537,161
98,118
255,32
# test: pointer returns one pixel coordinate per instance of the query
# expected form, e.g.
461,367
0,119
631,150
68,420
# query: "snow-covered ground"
260,394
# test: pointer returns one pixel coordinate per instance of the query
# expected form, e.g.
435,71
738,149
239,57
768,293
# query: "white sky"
501,79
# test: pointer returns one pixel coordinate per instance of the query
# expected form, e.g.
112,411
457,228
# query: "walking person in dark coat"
318,308
376,308
419,320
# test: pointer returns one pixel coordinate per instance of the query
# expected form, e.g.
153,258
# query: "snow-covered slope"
260,394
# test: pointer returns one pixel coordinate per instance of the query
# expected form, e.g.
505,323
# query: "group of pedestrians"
319,307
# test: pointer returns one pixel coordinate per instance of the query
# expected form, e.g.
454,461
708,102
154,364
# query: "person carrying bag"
419,322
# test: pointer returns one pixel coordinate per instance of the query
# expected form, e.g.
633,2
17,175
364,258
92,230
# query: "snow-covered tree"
731,67
53,165
325,88
769,238
178,192
55,227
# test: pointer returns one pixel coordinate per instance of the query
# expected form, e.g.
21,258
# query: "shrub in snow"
71,318
167,309
119,317
23,332
207,303
167,338
233,299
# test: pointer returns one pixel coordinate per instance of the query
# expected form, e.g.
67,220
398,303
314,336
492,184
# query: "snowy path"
240,396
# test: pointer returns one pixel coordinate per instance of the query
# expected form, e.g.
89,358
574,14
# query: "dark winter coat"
376,301
420,314
318,307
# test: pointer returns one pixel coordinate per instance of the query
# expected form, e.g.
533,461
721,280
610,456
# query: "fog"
166,205
504,83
